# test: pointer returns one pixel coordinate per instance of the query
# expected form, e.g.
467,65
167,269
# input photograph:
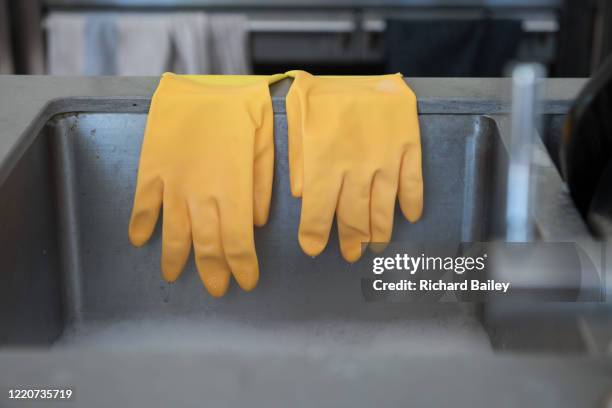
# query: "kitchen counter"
28,102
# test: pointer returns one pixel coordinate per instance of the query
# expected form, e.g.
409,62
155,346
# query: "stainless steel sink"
73,279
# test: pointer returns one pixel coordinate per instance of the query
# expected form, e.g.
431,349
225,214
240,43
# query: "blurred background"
475,38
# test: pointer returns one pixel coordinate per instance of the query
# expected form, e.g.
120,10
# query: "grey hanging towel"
230,39
191,43
81,43
451,48
65,43
145,43
149,43
101,38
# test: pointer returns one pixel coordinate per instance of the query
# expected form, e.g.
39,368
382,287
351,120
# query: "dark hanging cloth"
451,48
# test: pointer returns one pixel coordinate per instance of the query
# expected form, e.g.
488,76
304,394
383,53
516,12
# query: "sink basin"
78,281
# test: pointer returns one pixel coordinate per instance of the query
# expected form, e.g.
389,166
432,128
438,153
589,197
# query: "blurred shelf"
304,4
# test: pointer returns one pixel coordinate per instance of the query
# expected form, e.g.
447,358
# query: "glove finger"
319,200
210,259
294,139
353,217
239,244
147,204
411,183
263,168
176,236
382,207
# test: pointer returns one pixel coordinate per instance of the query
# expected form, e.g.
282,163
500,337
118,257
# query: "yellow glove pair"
208,156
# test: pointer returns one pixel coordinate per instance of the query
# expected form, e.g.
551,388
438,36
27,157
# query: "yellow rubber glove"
234,79
208,156
354,146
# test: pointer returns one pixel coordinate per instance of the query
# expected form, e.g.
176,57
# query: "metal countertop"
28,102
